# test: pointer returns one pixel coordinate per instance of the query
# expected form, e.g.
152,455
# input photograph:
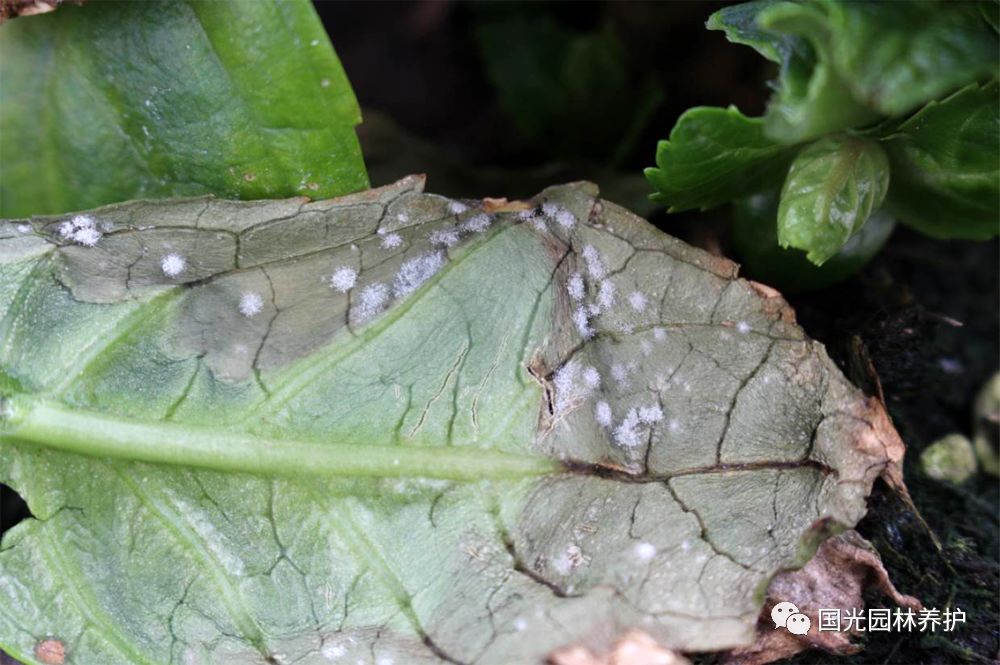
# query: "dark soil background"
434,81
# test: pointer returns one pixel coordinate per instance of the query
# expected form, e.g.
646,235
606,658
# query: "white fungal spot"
24,228
565,219
620,374
520,624
644,551
602,414
659,334
82,230
582,321
743,327
372,301
173,265
568,388
574,286
477,223
251,304
87,237
650,414
606,295
627,433
674,425
550,209
564,381
457,207
402,218
443,237
595,265
391,241
416,271
343,279
325,83
637,299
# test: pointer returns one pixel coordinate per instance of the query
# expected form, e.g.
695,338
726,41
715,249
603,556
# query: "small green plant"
877,106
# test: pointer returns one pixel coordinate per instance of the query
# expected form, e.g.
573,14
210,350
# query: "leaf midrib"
39,421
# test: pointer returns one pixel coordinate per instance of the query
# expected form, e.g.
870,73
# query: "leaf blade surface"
477,352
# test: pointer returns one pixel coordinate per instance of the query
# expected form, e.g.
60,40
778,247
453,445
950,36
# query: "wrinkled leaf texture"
421,477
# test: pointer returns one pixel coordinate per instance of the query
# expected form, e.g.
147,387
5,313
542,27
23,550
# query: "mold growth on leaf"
343,279
602,414
81,229
477,223
637,299
373,299
416,271
443,237
595,264
251,304
617,440
575,287
391,240
173,265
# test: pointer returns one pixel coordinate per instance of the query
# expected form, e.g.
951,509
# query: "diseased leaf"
946,168
111,101
713,156
389,427
845,567
833,186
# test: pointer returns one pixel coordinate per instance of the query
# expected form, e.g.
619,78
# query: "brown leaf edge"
844,566
836,564
14,8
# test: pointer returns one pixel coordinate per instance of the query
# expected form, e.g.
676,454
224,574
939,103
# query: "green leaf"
740,25
833,186
898,56
713,156
111,101
812,97
846,64
755,239
945,166
376,428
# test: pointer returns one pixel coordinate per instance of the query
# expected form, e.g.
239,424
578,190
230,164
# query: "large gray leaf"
386,428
